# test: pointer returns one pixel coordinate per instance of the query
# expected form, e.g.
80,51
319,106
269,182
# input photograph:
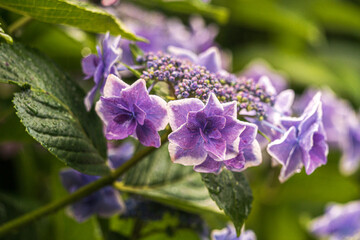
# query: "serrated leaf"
232,193
157,178
52,109
69,12
5,36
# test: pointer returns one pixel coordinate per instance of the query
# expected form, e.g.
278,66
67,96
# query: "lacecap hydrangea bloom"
303,143
340,221
101,65
104,203
210,136
229,233
131,111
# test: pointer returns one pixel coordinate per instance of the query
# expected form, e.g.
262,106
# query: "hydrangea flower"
105,202
229,233
130,110
209,137
211,58
120,154
340,221
341,124
303,143
101,65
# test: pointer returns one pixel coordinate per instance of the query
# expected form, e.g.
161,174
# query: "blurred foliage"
314,42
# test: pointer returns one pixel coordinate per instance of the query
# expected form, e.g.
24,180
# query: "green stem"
79,194
18,24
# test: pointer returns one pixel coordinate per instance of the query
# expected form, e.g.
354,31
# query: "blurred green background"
313,42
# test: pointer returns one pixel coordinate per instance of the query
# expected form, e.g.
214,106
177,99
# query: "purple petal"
119,155
252,154
89,65
139,114
157,113
89,98
184,137
110,203
147,135
230,109
248,135
216,148
211,59
185,157
280,149
208,166
179,109
114,86
284,100
232,129
136,94
286,151
317,155
116,131
183,53
235,164
213,106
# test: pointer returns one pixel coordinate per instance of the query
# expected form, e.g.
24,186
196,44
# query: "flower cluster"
196,81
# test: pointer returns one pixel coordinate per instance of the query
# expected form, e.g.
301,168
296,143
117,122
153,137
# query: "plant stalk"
79,194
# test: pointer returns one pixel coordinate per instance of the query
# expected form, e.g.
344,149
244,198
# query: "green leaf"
51,108
6,37
69,12
232,193
157,178
218,13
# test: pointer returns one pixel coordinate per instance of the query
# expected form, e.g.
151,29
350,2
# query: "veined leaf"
157,178
232,193
52,109
72,13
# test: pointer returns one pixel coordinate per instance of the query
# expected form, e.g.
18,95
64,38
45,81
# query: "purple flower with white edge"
118,155
130,110
101,65
258,69
105,202
211,58
340,221
303,143
209,137
229,233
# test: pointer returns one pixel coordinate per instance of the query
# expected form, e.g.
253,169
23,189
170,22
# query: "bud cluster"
191,80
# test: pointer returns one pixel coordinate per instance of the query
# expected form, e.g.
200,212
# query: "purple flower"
341,124
303,144
130,110
163,32
211,58
210,136
101,65
229,233
259,69
105,202
120,154
339,222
